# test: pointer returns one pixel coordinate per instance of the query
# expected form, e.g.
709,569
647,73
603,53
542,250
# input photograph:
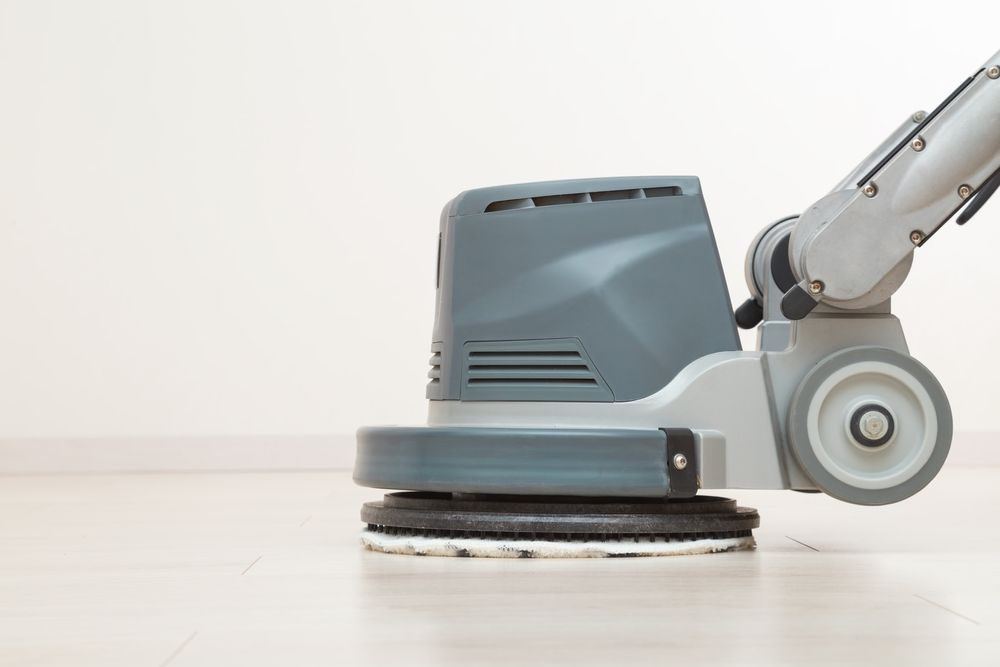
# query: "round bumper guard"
649,463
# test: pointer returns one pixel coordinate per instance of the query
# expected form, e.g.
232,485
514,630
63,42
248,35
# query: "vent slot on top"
583,198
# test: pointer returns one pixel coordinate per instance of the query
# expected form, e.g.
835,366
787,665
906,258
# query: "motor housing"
595,290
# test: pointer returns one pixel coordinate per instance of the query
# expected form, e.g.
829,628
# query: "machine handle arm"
853,248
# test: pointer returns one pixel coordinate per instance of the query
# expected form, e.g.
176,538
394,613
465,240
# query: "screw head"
964,191
916,237
680,461
918,144
919,117
993,72
816,287
870,190
874,424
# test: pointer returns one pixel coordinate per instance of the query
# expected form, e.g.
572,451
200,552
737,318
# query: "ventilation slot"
435,372
529,368
583,198
435,388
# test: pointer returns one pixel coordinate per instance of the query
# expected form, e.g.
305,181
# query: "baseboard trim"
260,453
188,454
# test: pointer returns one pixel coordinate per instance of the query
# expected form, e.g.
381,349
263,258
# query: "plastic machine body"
584,343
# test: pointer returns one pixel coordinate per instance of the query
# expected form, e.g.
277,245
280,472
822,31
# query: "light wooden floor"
265,569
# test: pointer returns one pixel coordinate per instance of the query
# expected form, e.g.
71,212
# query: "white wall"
220,217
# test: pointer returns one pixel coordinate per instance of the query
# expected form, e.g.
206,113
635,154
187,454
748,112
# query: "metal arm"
853,248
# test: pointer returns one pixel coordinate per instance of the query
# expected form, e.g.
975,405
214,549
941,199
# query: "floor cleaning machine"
587,380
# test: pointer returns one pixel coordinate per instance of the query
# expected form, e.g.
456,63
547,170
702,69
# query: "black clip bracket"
682,463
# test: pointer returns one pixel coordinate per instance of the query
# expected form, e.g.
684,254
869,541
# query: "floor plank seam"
951,611
177,651
807,546
251,564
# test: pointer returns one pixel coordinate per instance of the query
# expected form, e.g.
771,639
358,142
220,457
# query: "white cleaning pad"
415,545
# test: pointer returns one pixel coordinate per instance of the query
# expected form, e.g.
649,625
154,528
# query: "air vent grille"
549,368
435,386
556,369
583,198
435,372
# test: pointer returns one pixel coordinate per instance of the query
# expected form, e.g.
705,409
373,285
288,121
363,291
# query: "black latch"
682,463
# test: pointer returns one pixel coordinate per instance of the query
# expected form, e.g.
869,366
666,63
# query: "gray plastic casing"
594,290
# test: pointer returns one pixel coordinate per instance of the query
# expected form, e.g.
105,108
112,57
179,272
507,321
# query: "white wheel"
870,425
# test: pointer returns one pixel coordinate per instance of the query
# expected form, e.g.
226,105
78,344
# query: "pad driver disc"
422,523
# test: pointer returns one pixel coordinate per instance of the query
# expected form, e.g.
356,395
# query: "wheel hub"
872,425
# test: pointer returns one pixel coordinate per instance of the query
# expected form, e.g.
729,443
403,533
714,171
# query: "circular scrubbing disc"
493,526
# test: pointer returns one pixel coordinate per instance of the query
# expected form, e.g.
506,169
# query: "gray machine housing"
581,290
584,337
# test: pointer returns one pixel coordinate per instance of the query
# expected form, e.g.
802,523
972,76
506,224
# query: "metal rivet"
870,190
917,237
816,287
918,144
680,461
964,191
919,117
993,72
